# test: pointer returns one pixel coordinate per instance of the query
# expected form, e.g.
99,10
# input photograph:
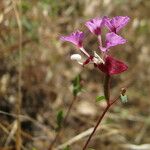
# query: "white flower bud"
76,57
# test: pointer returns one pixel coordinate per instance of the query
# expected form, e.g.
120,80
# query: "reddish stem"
109,104
99,121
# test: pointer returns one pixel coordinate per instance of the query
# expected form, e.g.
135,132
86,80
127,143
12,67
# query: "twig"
84,134
19,99
140,134
11,134
77,138
40,125
136,147
7,132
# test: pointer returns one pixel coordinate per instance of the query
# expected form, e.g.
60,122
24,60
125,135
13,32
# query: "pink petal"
113,39
95,25
75,38
117,23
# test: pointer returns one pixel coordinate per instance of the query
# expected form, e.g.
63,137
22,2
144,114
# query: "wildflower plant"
61,117
103,61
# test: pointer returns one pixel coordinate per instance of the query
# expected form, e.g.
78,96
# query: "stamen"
98,59
84,51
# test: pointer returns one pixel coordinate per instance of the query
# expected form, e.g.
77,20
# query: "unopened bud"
76,57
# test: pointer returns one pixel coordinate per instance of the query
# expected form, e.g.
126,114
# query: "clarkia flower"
95,25
117,23
75,38
106,64
112,39
112,66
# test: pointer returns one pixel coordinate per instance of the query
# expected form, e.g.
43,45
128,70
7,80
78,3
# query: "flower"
112,66
106,63
112,39
95,25
75,38
117,23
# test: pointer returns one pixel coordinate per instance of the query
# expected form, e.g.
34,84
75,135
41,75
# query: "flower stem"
109,104
64,122
97,124
107,88
99,121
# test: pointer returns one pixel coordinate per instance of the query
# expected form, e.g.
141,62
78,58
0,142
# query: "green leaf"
77,87
67,148
100,98
124,98
60,117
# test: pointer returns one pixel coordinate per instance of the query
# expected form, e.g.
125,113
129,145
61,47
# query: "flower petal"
112,66
95,25
117,23
113,39
75,38
108,24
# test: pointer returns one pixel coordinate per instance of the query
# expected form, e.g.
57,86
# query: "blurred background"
47,74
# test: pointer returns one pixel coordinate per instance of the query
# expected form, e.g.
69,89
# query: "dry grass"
45,73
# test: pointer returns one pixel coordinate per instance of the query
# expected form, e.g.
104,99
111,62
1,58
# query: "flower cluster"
106,63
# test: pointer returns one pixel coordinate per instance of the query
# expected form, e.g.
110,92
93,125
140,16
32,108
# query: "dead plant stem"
19,97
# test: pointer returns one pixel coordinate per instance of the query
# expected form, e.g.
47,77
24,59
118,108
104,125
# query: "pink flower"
75,38
112,66
117,23
112,39
95,25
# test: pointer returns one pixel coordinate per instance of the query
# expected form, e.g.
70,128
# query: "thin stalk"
100,40
99,121
64,122
107,88
107,96
19,98
97,124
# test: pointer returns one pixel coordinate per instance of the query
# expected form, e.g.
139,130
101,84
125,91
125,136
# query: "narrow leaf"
100,98
77,87
59,119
